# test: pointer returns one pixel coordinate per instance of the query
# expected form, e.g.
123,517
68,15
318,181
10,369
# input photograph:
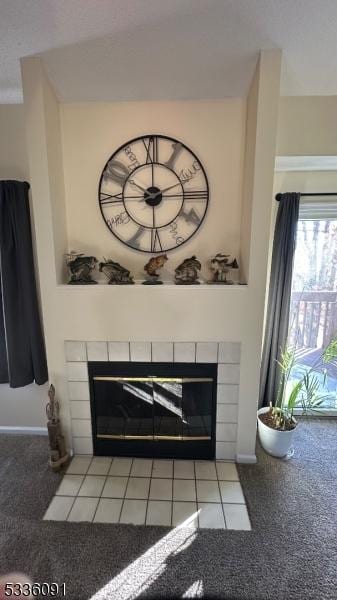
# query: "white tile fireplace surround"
225,354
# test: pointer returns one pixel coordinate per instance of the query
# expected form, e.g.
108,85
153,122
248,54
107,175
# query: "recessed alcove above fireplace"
153,409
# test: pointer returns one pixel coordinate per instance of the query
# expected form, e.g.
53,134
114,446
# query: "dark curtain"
277,320
22,352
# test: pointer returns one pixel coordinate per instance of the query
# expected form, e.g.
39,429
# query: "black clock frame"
129,142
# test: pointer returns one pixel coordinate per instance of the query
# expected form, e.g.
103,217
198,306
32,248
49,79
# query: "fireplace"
153,409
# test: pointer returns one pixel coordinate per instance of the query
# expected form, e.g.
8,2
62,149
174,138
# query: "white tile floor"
205,494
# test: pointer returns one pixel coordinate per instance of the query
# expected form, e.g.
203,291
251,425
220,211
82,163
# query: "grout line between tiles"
172,480
196,496
73,502
100,496
222,508
148,492
126,487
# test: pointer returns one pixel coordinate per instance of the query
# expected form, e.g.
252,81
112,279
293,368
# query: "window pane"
313,315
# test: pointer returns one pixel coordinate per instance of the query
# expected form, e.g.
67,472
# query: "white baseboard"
24,430
248,459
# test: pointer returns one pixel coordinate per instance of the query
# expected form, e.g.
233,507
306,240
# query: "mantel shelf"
165,285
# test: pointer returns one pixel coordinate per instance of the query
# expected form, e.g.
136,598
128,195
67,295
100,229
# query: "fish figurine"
151,267
115,273
187,272
80,267
220,265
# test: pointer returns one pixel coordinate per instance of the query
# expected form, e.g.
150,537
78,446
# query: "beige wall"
262,125
90,133
214,130
56,178
21,407
13,155
307,126
248,175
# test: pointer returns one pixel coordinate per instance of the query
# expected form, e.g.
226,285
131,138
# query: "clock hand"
169,188
155,194
149,196
136,184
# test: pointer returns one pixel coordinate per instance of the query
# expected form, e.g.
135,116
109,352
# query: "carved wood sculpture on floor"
58,453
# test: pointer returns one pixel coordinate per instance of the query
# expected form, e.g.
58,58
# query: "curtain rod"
279,196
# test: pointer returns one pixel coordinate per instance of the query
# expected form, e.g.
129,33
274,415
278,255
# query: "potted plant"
277,424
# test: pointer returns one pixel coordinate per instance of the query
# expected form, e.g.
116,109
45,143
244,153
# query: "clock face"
153,193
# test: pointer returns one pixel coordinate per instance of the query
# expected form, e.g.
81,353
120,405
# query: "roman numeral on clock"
110,198
190,216
155,241
176,149
134,240
151,147
195,195
116,171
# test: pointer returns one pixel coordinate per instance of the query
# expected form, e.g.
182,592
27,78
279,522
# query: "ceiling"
101,50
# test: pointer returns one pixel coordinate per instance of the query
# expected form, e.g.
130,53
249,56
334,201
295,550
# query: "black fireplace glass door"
197,408
123,408
153,409
138,404
167,409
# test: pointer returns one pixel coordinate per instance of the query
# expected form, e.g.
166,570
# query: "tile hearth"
204,494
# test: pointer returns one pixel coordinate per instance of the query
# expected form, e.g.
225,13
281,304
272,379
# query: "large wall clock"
153,193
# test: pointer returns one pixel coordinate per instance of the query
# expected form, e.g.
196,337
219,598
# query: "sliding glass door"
313,315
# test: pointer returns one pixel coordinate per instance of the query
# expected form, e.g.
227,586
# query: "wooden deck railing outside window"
313,318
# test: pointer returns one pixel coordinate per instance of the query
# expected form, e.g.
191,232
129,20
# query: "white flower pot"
277,443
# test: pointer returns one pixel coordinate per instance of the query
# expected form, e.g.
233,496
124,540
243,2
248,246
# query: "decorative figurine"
80,267
221,266
187,272
156,262
115,273
58,453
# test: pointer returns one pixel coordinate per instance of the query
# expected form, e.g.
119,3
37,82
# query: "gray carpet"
290,554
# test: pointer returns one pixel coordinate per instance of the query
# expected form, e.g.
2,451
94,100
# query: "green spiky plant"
305,392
